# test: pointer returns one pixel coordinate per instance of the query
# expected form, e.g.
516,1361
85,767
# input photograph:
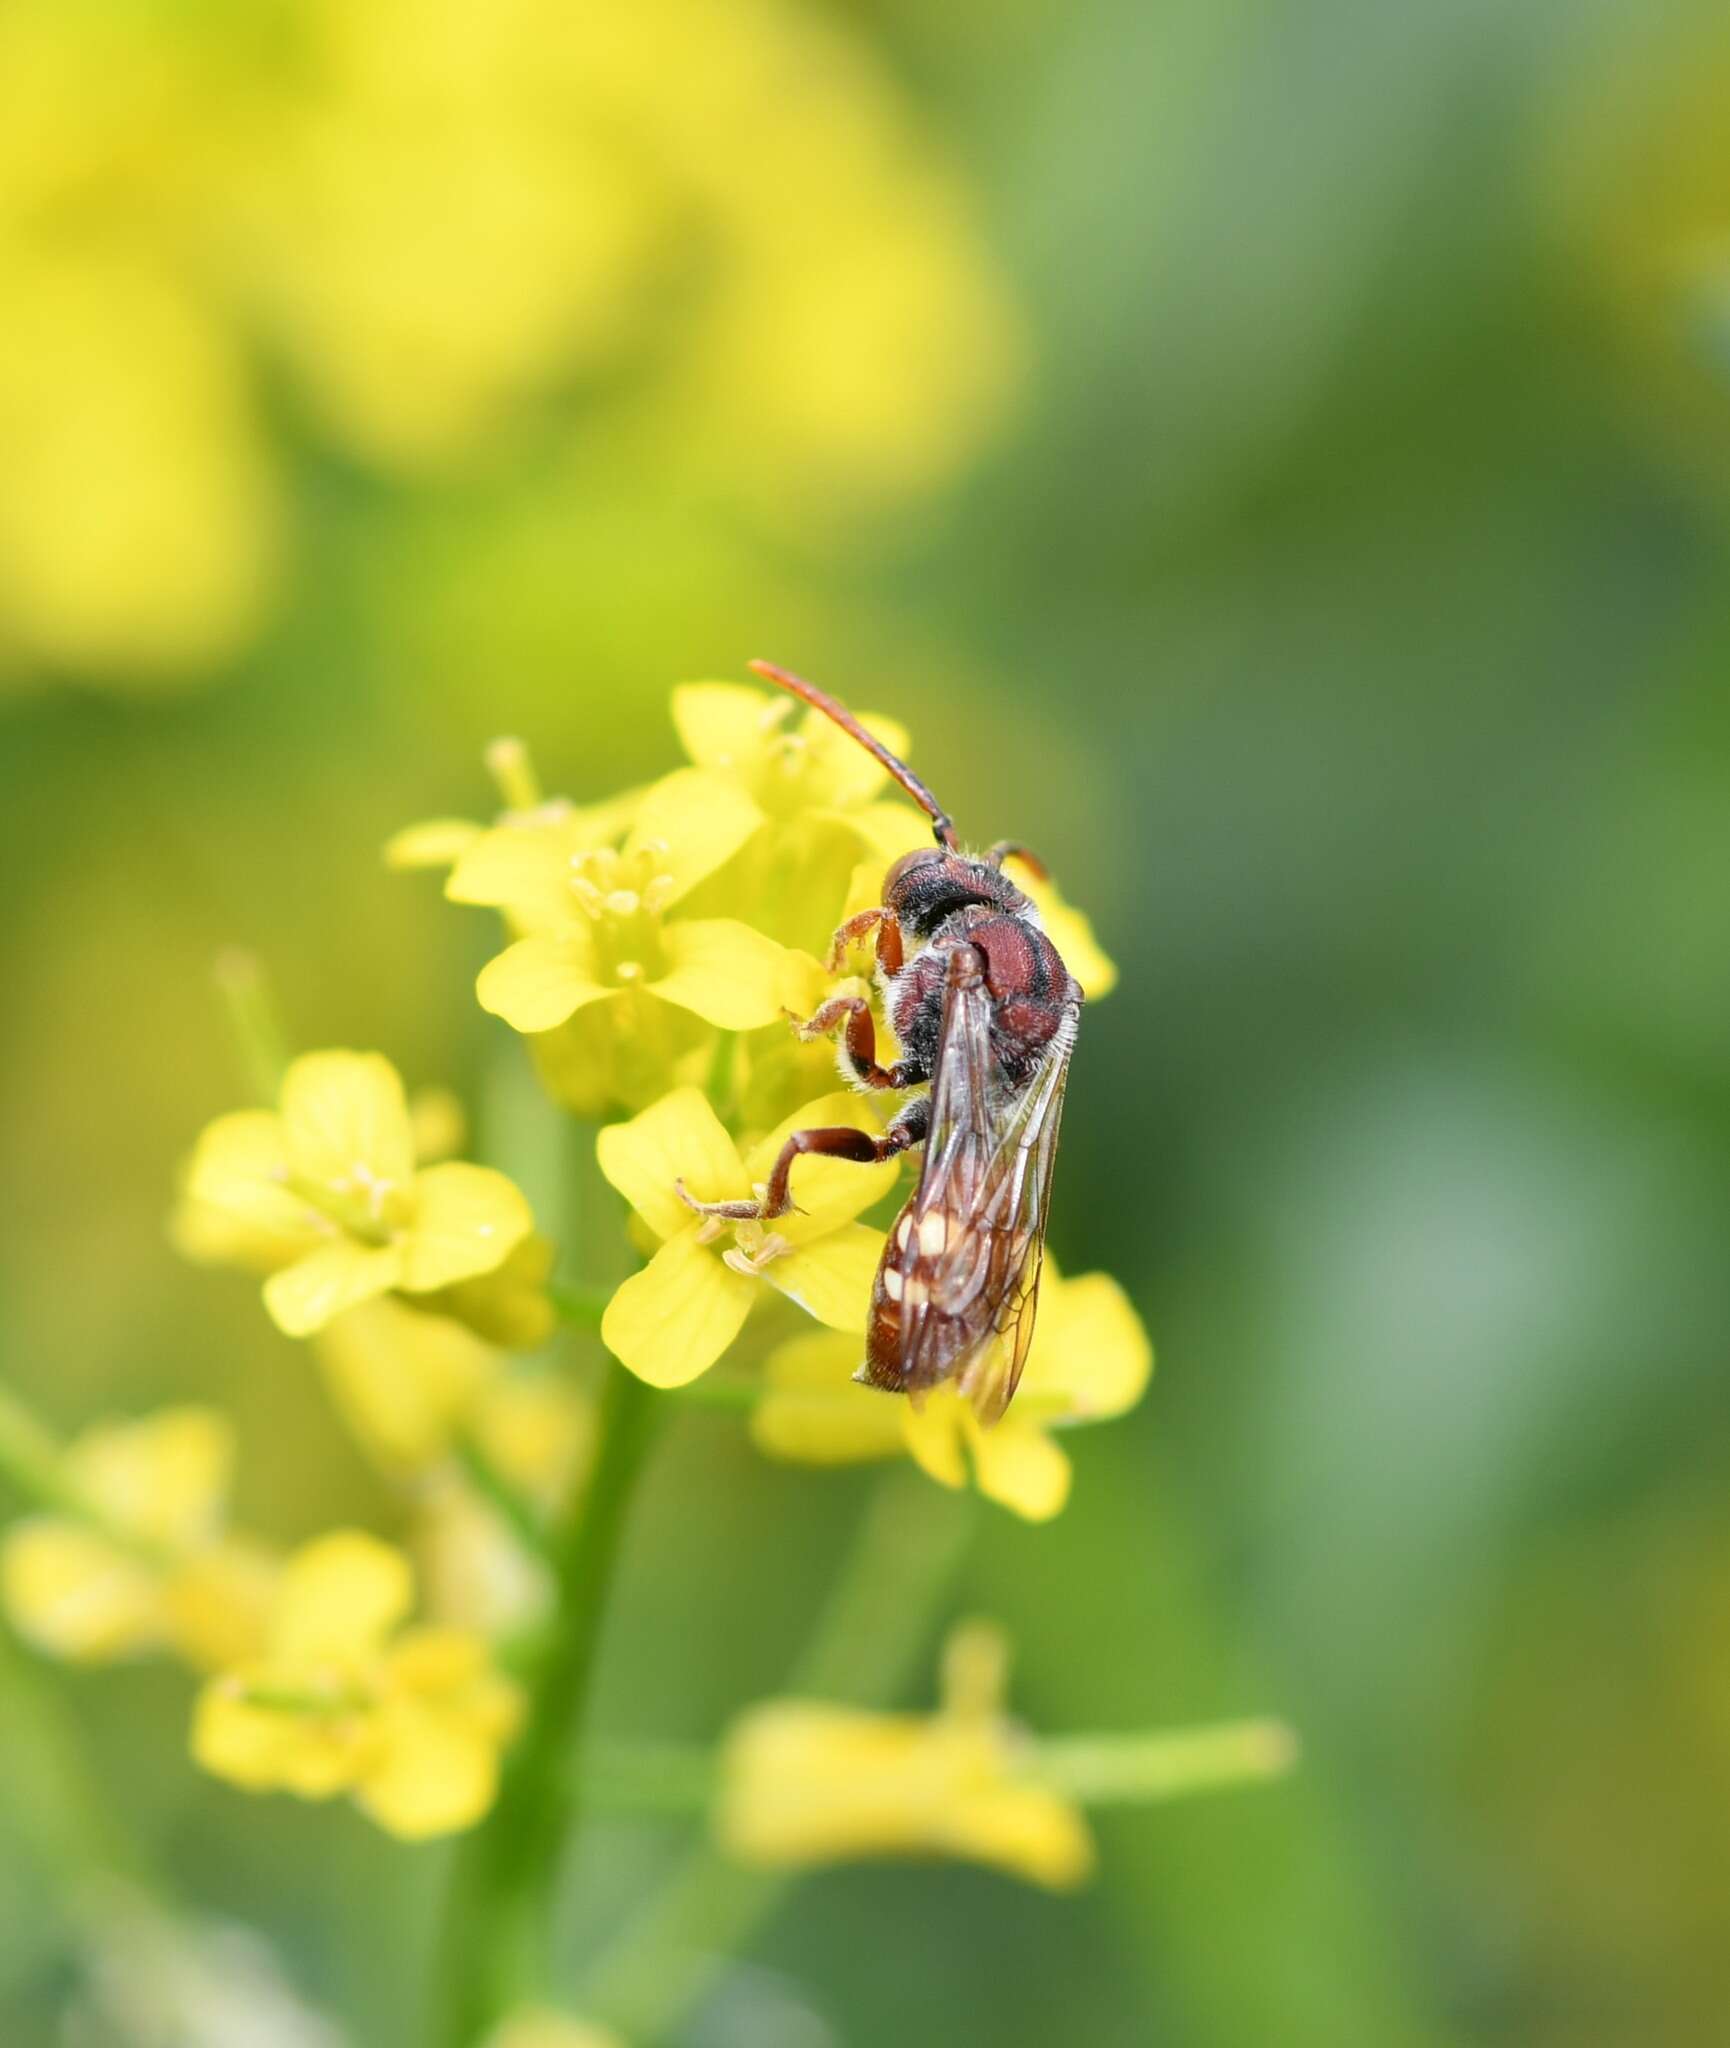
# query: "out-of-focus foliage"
1275,459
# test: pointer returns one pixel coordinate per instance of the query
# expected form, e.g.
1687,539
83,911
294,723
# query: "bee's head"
932,883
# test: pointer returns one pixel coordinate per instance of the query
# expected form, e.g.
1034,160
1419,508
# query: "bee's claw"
718,1212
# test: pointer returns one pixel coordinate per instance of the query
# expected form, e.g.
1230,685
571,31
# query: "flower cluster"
653,947
423,229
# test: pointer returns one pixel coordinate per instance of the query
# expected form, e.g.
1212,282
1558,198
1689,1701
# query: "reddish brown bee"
986,1014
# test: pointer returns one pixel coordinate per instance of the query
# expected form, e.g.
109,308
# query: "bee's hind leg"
832,1141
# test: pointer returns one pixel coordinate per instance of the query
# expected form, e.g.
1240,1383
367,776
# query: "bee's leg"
888,929
834,1141
860,1041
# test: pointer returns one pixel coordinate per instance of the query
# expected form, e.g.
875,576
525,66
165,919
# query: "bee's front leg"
860,1041
832,1141
885,924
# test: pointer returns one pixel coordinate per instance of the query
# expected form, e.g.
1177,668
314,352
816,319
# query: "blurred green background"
1277,460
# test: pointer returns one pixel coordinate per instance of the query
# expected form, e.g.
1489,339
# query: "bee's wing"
965,1254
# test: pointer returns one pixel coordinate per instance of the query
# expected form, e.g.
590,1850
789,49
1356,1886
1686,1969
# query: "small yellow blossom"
1090,1360
671,1321
409,1722
328,1184
152,1565
805,1783
818,798
604,923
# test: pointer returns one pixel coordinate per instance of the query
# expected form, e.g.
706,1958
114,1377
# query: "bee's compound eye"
921,861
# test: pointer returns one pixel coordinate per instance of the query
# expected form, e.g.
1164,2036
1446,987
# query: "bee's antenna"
820,700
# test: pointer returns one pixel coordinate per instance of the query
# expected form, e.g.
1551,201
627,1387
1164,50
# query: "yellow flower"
1090,1360
328,1183
603,923
151,1565
404,1381
671,1321
409,1722
818,798
804,1782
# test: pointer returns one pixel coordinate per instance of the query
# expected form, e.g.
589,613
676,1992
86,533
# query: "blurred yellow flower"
534,1435
404,1381
151,1564
325,1191
804,1782
431,224
409,1722
1090,1360
670,1322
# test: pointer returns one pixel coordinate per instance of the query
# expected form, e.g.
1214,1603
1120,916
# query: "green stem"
501,1894
493,1487
1129,1770
259,1038
867,1642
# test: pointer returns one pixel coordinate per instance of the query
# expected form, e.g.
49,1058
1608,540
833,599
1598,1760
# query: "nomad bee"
986,1015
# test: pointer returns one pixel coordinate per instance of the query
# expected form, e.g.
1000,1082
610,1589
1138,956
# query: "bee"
986,1014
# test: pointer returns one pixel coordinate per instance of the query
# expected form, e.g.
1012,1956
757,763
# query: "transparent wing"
966,1251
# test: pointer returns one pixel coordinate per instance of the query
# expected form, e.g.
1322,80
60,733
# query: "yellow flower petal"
846,774
403,1380
267,1748
933,1436
345,1121
1028,1831
509,1305
541,980
670,1322
76,1595
813,1412
1090,1352
522,868
830,1276
435,843
305,1296
723,971
826,1192
164,1478
467,1219
240,1168
890,829
722,725
339,1597
1016,1464
692,821
431,1776
218,1603
678,1138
